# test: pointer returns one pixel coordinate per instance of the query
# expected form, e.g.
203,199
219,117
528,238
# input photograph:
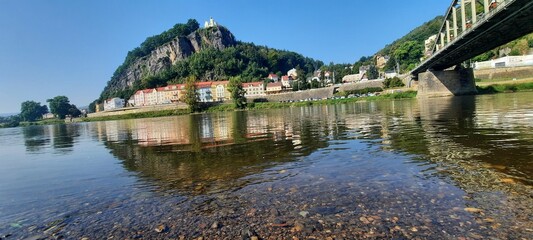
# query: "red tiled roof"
272,75
221,82
285,78
252,84
276,84
203,84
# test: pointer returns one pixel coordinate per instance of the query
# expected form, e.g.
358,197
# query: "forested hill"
205,53
408,49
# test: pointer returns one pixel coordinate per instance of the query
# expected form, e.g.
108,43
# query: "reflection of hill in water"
478,143
208,153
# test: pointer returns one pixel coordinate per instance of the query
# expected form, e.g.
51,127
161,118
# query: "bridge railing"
466,13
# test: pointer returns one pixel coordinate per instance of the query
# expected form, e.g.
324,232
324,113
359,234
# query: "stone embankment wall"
319,93
361,85
131,110
504,73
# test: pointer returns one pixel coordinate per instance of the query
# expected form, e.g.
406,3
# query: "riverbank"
255,106
505,86
483,87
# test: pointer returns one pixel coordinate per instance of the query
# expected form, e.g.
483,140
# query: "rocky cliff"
168,54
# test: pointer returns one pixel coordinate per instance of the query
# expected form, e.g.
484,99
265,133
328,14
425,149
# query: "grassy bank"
504,88
252,106
43,122
275,105
163,113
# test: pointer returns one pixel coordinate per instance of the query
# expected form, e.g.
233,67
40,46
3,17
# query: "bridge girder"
511,21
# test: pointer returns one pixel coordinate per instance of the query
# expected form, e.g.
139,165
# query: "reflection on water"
422,161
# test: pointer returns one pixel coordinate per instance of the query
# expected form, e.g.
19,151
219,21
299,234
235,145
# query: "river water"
444,168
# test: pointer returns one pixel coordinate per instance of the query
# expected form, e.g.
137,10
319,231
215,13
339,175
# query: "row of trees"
31,111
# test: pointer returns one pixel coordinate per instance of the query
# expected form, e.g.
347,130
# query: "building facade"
254,89
113,103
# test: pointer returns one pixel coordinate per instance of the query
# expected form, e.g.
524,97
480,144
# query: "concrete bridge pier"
450,82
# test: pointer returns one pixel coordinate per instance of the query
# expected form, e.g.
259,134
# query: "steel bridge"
472,27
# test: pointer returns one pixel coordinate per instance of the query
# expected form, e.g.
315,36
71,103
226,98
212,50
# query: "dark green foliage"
393,82
59,106
515,52
484,57
92,106
530,43
237,92
360,91
191,95
11,121
245,60
73,111
419,35
31,111
372,72
409,48
408,54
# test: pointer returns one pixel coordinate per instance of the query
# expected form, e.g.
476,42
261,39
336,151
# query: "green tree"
191,95
408,54
393,82
73,111
31,111
237,92
11,121
372,72
59,106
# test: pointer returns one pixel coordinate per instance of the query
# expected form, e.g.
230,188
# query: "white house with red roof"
286,81
254,89
273,88
273,77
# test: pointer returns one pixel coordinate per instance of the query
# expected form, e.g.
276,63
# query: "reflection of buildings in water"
206,127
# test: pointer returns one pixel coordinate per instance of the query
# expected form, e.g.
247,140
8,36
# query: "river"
442,168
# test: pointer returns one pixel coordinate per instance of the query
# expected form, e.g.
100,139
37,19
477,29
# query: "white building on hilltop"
210,23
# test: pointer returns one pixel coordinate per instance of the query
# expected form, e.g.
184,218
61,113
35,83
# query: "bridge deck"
500,27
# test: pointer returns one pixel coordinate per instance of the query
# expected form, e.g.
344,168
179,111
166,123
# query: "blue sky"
71,48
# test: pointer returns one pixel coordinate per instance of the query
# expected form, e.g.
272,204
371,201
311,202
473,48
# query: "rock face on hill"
168,54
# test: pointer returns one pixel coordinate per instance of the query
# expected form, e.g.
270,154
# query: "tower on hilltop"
210,23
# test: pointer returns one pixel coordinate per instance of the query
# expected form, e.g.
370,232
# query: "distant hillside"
207,53
409,49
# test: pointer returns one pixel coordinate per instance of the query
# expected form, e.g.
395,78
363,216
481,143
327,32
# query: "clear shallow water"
440,168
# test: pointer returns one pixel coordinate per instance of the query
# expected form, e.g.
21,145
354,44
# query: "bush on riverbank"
359,91
393,82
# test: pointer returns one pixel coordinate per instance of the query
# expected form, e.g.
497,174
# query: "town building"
254,89
113,103
273,77
286,81
509,61
428,45
273,88
204,91
293,73
381,61
220,91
